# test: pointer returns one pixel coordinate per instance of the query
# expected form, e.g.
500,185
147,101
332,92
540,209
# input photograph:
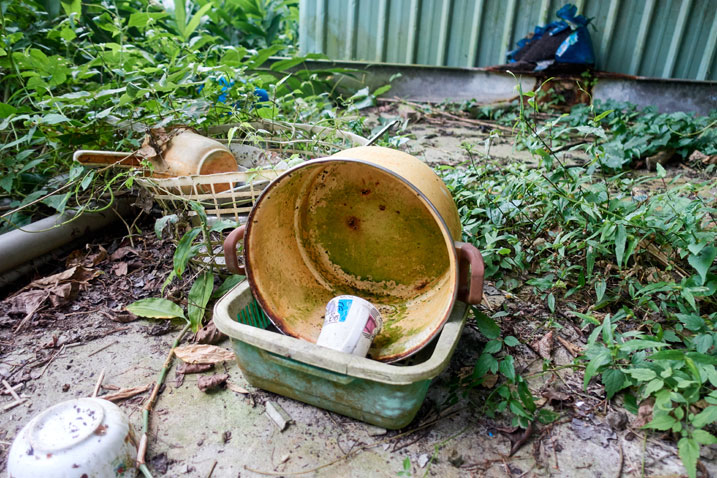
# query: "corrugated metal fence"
654,38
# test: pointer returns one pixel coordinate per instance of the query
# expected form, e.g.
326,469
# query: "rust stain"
353,223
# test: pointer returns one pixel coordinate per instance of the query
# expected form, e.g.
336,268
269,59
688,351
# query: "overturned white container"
82,437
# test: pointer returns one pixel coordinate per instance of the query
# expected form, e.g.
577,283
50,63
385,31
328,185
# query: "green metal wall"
653,38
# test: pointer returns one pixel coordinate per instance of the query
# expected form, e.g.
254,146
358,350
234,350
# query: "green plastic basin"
386,395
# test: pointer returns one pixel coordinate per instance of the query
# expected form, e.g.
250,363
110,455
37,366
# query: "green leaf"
198,299
662,421
620,238
689,451
602,358
511,341
507,368
161,223
642,374
702,358
641,344
703,343
486,325
653,386
546,416
492,347
484,363
180,15
551,302
6,110
600,287
661,173
87,180
141,19
607,330
263,55
517,409
693,369
705,417
381,90
227,285
602,115
630,403
668,355
283,65
57,201
156,309
194,22
54,118
614,381
703,261
704,437
692,322
525,396
72,6
223,224
185,251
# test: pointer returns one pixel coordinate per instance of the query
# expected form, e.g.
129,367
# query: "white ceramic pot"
87,437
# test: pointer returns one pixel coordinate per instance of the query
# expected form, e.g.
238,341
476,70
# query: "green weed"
632,258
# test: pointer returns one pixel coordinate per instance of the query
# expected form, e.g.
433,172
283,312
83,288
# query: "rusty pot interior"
332,227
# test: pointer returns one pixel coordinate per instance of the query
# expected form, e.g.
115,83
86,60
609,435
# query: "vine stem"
142,448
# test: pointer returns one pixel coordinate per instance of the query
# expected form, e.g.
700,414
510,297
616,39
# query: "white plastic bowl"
85,437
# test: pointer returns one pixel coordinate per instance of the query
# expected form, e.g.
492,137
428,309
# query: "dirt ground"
82,330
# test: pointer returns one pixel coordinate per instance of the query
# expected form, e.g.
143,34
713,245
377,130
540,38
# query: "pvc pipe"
22,245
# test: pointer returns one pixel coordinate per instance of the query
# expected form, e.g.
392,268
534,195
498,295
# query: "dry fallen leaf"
201,353
125,393
122,252
517,436
237,388
644,413
209,383
573,349
544,346
209,335
187,368
119,269
61,294
556,398
489,380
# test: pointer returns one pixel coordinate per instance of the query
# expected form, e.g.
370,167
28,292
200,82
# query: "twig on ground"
142,449
211,470
99,383
51,360
11,390
102,348
507,468
622,459
18,400
471,121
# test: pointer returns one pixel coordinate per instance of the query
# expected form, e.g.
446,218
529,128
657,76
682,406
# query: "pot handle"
230,250
470,273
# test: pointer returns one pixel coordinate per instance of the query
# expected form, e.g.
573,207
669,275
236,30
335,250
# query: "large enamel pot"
372,222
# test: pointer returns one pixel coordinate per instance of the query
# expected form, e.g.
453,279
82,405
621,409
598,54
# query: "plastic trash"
350,325
564,41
